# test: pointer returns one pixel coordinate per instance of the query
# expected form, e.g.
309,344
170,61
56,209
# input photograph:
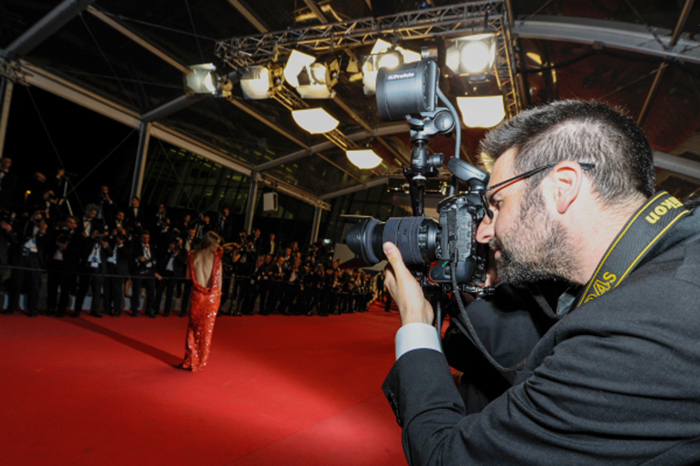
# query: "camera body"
451,241
449,245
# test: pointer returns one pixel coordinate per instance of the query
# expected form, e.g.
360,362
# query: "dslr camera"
444,252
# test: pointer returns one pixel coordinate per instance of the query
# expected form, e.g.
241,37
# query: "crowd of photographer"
119,253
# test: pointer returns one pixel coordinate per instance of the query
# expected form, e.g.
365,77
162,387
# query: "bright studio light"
202,79
258,82
312,77
384,56
471,55
481,112
315,120
365,159
297,61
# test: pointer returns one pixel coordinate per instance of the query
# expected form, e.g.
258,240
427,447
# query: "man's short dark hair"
585,132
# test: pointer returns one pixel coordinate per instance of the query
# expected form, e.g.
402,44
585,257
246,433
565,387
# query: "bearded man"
614,380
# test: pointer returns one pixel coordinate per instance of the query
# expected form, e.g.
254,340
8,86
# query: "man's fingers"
393,255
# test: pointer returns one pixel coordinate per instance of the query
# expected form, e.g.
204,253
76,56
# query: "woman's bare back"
203,262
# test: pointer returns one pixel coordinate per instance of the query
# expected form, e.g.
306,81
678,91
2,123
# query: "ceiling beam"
248,14
613,34
662,68
173,106
44,28
383,130
262,119
58,86
316,10
677,164
139,40
354,189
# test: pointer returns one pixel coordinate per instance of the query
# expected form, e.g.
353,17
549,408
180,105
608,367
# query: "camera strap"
646,227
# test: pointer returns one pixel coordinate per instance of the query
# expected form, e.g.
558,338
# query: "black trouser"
167,285
265,287
19,277
114,291
225,289
93,280
290,300
145,281
276,293
252,291
58,277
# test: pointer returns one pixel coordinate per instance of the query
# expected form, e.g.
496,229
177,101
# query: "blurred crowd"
133,258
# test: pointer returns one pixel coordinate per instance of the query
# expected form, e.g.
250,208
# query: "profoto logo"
662,209
404,75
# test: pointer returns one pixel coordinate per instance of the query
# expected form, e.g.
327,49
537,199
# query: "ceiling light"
481,112
364,158
315,120
472,55
297,61
202,79
313,78
260,82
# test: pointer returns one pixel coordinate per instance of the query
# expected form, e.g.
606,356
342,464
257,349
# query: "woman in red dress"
204,269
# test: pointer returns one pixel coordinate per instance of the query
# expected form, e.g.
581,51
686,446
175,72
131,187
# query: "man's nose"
485,231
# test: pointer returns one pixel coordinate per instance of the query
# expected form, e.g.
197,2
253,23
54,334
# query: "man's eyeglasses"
528,174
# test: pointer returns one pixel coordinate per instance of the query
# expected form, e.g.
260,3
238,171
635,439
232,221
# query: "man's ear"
566,180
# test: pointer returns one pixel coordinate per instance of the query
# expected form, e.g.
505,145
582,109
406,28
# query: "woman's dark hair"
208,239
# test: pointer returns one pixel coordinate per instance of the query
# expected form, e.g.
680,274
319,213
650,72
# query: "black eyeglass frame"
528,174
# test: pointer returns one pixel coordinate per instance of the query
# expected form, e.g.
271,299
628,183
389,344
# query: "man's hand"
406,290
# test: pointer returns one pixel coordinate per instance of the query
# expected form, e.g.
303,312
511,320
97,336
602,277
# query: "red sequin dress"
204,304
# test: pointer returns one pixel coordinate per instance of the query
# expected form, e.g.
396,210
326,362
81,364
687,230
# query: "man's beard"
537,248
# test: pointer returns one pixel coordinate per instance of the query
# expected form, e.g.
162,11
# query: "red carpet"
277,390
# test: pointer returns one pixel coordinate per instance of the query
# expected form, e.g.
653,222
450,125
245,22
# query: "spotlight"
297,61
202,79
364,159
317,79
315,120
313,78
472,55
383,55
481,112
260,82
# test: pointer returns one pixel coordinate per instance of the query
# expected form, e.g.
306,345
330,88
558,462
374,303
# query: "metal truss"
453,20
13,72
419,24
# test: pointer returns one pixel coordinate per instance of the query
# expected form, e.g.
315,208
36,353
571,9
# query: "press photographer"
572,199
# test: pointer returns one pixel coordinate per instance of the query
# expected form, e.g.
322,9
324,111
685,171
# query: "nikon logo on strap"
660,210
649,224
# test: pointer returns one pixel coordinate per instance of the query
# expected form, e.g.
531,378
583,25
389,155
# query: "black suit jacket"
143,268
136,222
615,382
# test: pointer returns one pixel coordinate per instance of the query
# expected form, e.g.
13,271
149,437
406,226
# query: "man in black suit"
29,257
143,274
64,255
93,269
135,216
269,246
117,269
171,265
614,381
224,225
106,208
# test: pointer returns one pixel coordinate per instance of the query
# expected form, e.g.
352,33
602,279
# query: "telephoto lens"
418,239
